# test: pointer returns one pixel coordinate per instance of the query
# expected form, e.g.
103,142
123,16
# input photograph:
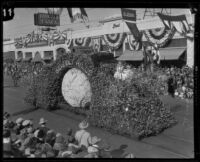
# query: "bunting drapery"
178,22
85,41
159,36
114,41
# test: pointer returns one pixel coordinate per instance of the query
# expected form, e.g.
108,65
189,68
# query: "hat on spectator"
42,121
129,155
19,120
95,140
84,124
26,123
66,154
92,149
5,122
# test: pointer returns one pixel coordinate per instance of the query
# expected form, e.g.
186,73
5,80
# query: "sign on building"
45,19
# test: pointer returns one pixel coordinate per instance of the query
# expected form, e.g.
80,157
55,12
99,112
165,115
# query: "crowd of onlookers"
22,139
180,82
18,70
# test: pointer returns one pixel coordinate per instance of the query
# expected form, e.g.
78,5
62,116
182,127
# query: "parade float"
82,76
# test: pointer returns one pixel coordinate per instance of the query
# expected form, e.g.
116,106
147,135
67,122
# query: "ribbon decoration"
133,43
159,36
114,41
64,35
56,35
45,36
96,44
78,41
84,42
68,42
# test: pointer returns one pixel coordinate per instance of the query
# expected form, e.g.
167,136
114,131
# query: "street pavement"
174,142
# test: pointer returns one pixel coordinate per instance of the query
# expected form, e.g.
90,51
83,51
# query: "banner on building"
45,19
130,18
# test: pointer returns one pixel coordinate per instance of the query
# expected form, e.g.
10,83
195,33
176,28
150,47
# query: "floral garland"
134,45
114,41
160,36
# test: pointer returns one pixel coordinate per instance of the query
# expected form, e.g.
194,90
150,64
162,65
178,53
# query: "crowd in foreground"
21,139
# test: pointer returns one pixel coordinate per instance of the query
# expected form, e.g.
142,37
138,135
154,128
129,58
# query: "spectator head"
51,135
30,130
42,121
5,123
32,150
19,121
83,125
39,134
128,66
6,133
69,131
30,122
59,143
6,115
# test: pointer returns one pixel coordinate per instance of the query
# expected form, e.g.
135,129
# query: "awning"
171,53
37,58
131,56
165,53
18,59
27,59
